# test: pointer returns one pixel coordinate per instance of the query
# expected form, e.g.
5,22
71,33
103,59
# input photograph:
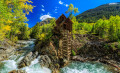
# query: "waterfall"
36,68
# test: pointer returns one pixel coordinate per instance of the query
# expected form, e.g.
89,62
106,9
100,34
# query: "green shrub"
113,46
106,46
118,44
73,53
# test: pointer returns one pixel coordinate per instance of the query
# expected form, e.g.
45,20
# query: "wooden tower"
65,43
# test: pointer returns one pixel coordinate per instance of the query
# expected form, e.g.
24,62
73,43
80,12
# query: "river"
74,67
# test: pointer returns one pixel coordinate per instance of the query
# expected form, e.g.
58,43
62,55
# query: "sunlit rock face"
45,21
6,49
26,61
17,71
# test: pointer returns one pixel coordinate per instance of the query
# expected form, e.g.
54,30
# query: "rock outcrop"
6,49
45,61
47,21
26,61
79,58
17,71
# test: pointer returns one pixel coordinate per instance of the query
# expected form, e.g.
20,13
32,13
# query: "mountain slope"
47,21
102,11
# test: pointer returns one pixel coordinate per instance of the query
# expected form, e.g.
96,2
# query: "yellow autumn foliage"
3,31
7,28
30,2
8,2
2,35
23,0
9,21
14,38
41,36
2,19
13,17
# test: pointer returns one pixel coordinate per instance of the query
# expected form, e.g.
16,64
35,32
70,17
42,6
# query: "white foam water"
35,67
8,66
75,67
78,67
11,64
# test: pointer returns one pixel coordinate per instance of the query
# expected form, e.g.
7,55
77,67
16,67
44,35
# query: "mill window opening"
64,26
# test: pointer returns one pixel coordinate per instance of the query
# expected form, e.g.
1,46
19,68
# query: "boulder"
78,58
26,61
6,49
17,71
45,61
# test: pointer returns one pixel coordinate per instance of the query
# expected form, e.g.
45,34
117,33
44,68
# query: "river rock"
45,61
55,71
17,71
6,49
26,61
78,58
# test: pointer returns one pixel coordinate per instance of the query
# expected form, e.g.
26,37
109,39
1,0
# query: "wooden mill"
65,43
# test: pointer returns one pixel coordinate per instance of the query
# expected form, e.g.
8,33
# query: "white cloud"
44,17
43,6
66,5
55,9
112,3
56,12
43,10
60,2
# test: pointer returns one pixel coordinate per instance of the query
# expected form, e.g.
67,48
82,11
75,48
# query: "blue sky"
54,8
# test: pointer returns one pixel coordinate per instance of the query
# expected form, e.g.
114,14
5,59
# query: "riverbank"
11,64
84,48
94,49
114,66
7,48
36,61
